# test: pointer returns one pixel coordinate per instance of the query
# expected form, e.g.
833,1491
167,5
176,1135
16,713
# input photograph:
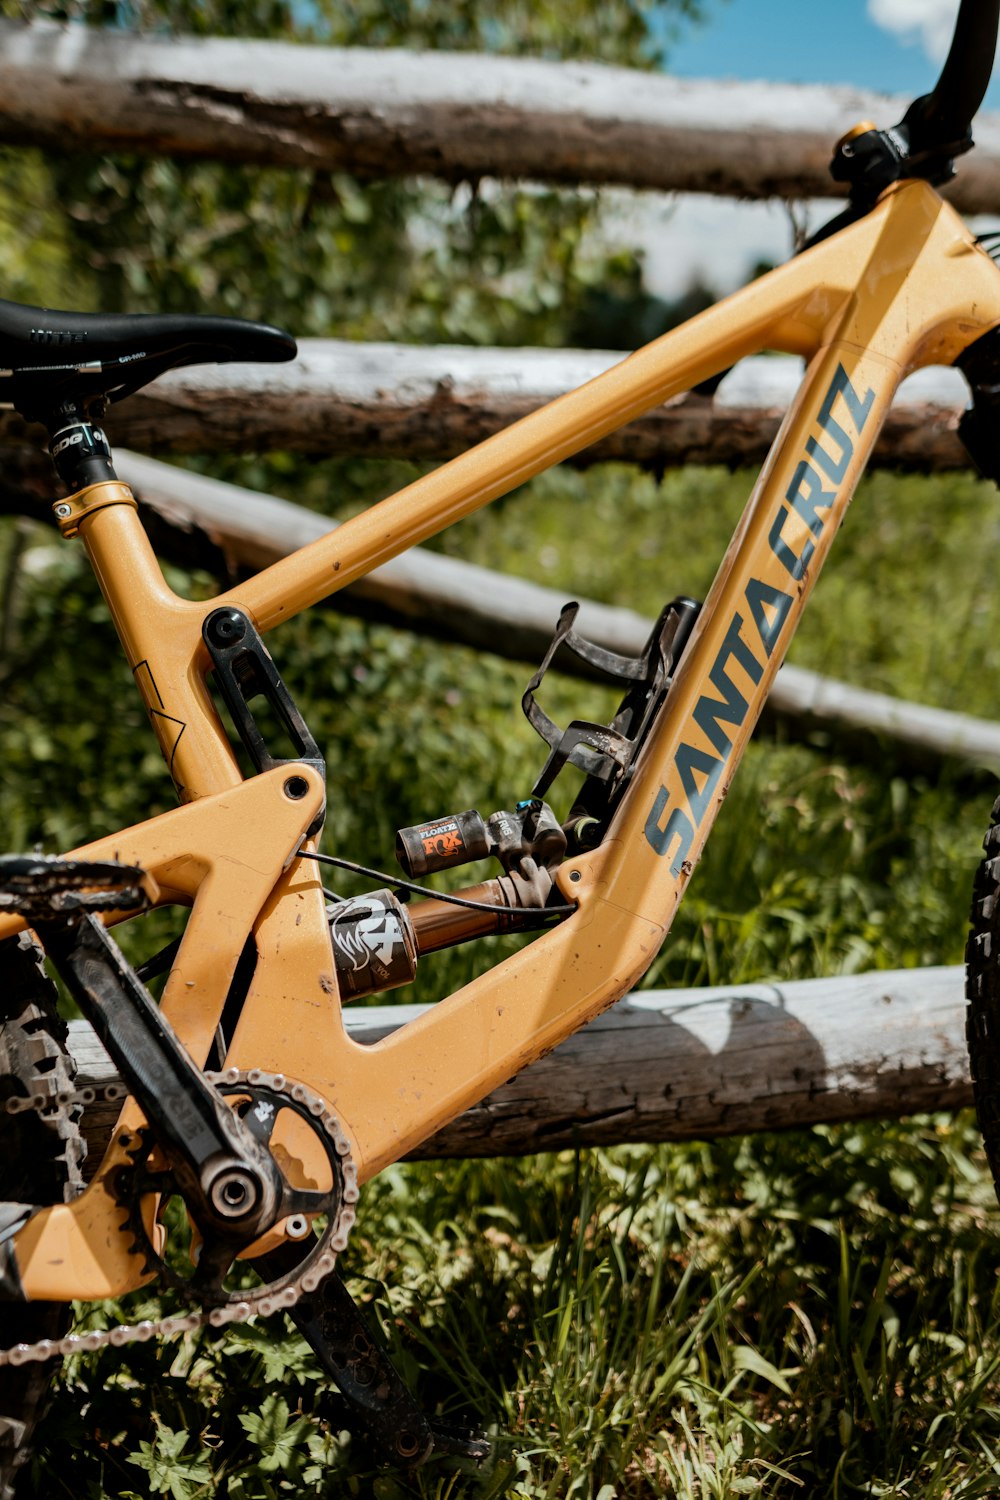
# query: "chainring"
262,1098
275,1296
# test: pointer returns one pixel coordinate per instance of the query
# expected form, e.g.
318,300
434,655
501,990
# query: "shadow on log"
690,1064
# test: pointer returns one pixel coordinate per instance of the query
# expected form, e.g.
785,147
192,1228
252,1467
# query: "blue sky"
893,46
878,44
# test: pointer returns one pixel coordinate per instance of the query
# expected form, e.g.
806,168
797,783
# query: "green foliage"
632,31
277,1438
498,264
772,1315
171,1470
38,252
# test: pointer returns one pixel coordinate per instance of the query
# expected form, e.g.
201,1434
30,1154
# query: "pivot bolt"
226,627
63,510
407,1443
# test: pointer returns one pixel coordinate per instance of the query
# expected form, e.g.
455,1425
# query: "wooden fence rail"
395,399
396,112
496,612
687,1064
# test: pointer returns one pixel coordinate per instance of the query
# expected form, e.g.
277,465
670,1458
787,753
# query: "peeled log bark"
454,116
688,1064
393,399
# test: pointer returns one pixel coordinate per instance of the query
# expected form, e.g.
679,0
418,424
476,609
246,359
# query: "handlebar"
941,119
937,127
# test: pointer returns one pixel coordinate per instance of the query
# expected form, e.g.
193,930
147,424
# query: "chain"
275,1297
20,1104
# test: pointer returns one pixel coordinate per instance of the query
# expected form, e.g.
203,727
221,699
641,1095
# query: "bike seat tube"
161,636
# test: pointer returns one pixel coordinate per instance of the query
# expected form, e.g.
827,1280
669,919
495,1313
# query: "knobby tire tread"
41,1157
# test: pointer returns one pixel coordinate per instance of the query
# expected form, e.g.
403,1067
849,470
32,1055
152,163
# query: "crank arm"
337,1331
228,1179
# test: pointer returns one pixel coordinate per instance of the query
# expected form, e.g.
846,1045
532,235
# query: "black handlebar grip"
943,118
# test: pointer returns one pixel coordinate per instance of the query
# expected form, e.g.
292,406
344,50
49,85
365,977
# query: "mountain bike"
243,1099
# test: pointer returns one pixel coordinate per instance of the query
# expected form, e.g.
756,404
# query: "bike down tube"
924,291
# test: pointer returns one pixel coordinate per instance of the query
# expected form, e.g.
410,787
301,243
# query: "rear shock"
377,938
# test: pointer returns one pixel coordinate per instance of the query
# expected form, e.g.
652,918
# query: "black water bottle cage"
607,751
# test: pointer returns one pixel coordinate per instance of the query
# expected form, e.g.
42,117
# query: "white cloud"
690,237
929,22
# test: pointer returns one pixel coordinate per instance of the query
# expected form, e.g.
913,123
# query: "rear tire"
41,1154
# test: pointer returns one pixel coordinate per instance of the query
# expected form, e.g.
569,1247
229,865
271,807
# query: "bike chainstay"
262,1301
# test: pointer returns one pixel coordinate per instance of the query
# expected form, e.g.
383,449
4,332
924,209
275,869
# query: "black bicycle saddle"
53,359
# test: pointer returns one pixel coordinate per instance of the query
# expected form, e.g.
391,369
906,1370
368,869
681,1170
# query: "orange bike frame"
903,287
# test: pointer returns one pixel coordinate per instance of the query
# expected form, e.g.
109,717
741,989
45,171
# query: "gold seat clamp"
70,512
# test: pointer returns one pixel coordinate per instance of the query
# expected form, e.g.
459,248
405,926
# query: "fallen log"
691,1064
496,612
397,112
393,399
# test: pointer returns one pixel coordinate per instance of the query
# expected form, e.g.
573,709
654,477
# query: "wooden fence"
395,112
659,1066
429,403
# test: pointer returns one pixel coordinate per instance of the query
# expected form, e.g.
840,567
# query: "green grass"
813,1313
806,1314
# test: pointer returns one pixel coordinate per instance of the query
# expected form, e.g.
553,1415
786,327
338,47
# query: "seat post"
78,447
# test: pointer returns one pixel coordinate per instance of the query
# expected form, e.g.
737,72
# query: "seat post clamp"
70,512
